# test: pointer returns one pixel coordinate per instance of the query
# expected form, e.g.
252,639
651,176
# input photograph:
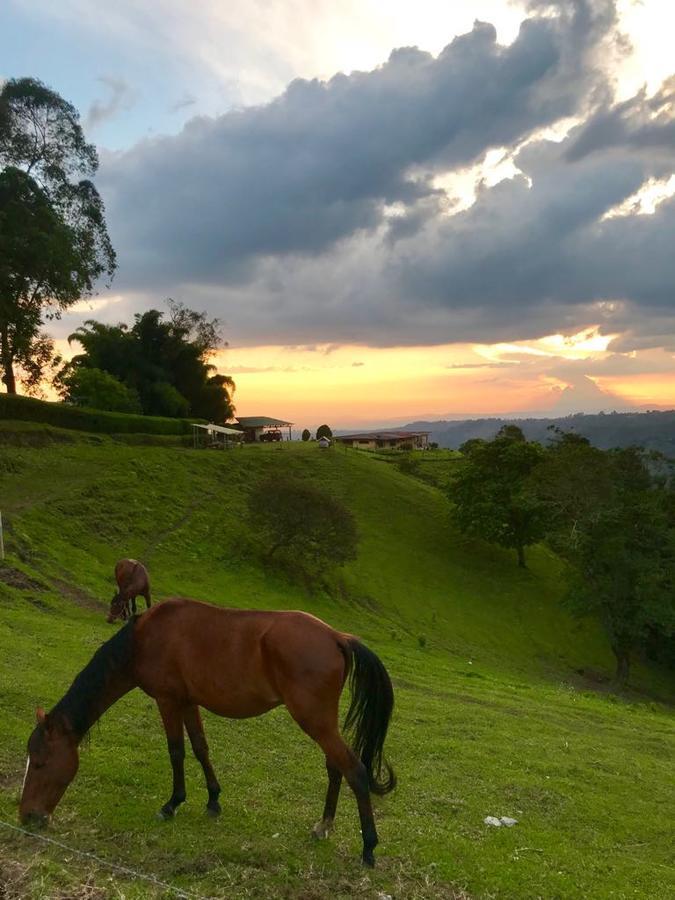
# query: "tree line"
608,514
54,250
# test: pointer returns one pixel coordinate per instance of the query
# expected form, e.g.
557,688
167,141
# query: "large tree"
54,244
491,491
162,360
611,516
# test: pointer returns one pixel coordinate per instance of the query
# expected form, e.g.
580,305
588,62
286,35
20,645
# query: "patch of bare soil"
17,579
76,594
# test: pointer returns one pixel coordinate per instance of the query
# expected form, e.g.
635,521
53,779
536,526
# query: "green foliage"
306,434
97,389
164,400
63,415
491,491
54,244
302,520
613,520
163,360
324,431
409,464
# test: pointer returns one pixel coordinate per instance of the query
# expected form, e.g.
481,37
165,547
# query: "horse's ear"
40,715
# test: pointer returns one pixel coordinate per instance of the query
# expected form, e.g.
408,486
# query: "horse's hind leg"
343,758
172,717
148,601
322,828
323,728
195,730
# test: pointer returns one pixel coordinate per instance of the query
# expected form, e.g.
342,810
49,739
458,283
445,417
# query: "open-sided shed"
217,436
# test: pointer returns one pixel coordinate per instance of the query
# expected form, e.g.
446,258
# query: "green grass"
492,717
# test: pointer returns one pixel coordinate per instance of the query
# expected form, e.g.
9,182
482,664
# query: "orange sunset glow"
363,385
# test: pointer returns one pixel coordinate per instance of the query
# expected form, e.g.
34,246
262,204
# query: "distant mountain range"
653,430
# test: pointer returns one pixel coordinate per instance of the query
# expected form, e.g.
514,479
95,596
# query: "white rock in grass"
508,821
493,820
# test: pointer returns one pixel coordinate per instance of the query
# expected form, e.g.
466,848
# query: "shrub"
300,519
306,434
409,464
97,389
64,416
324,431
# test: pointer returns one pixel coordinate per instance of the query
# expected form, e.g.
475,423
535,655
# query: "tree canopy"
324,431
161,360
611,516
293,516
54,244
491,491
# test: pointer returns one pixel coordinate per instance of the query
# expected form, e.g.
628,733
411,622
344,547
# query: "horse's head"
52,764
118,608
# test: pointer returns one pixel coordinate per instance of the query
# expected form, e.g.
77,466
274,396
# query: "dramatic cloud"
324,160
321,216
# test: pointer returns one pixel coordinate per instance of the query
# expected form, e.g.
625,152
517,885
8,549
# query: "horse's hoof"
213,810
368,860
166,812
321,831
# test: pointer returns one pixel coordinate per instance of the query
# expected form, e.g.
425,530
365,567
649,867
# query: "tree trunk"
521,556
7,362
622,666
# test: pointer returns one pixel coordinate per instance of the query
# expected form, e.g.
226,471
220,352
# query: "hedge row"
64,416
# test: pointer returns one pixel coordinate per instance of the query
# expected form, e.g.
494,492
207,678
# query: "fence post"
2,540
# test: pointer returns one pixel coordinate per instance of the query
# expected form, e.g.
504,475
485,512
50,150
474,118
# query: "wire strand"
125,870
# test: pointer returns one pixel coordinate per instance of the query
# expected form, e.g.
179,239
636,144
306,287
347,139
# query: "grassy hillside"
492,716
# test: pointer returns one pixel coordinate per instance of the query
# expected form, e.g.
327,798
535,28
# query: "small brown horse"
236,663
132,581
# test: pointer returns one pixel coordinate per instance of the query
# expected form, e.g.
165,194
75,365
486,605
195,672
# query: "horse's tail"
369,714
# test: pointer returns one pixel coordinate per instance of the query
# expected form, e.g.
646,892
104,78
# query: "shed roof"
220,429
261,422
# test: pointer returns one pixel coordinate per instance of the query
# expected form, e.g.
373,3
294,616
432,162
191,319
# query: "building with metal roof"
379,440
261,429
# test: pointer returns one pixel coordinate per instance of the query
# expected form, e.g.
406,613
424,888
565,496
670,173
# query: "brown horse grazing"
236,663
132,581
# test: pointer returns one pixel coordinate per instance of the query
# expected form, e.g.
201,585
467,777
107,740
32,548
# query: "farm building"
215,436
261,429
393,440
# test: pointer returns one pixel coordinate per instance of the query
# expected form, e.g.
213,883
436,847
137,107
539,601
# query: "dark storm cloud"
642,123
525,242
319,163
316,218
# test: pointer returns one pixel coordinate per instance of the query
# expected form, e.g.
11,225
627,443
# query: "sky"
398,210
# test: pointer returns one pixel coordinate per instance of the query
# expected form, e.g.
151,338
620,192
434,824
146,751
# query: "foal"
238,664
132,581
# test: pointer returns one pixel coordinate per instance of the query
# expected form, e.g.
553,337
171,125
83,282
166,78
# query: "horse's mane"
80,706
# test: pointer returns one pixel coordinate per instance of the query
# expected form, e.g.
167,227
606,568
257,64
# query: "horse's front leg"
172,717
